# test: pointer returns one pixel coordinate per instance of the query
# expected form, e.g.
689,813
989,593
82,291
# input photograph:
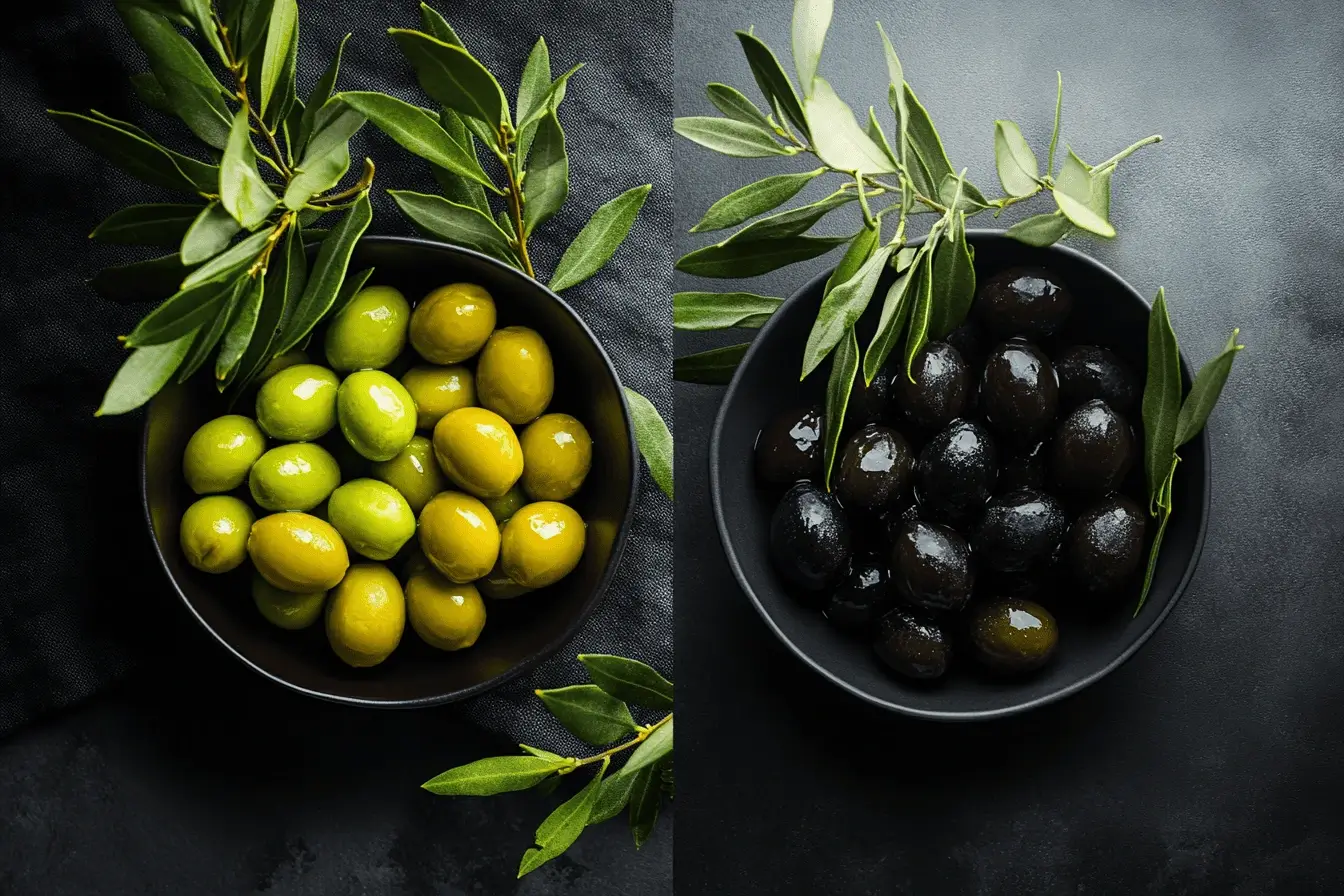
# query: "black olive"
1028,302
865,594
913,644
1012,635
940,389
868,402
894,518
1105,544
1019,394
809,538
789,448
956,471
1023,468
931,565
874,468
1018,529
971,343
1093,449
1090,371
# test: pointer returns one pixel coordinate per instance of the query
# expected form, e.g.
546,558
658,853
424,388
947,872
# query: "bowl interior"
519,632
1107,312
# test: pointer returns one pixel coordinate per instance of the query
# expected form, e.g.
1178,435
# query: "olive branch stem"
643,734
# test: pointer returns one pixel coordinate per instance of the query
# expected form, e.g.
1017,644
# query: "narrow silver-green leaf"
655,446
1205,390
628,680
144,372
188,83
891,320
590,713
896,93
1161,395
417,132
859,251
923,140
545,102
324,283
645,796
209,234
547,184
154,224
599,238
730,137
917,334
137,155
711,368
536,79
180,314
655,747
953,282
876,134
321,92
721,310
1054,132
462,190
1040,230
772,81
1080,215
793,222
498,774
841,308
754,199
242,191
748,259
836,134
284,21
239,254
839,385
734,104
1016,163
460,224
811,21
242,327
563,826
453,77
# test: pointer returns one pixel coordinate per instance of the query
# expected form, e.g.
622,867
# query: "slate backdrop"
193,775
1212,762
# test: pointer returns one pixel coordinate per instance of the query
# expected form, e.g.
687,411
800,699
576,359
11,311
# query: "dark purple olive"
1019,529
941,386
1105,544
971,343
1090,371
1092,450
931,565
810,538
1010,635
874,468
863,595
789,448
1023,468
956,471
1028,302
1019,394
913,644
868,402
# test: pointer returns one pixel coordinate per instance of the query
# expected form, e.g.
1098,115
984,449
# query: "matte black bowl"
1107,311
519,632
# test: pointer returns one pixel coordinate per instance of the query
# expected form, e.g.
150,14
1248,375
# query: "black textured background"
1213,762
192,774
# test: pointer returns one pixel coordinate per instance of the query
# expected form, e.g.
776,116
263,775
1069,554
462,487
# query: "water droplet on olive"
941,386
1093,449
913,644
1090,371
1105,544
874,468
1030,302
1019,394
789,448
809,538
956,470
931,565
1018,529
1011,635
863,595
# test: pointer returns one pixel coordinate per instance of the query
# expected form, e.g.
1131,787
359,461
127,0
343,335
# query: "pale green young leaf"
590,713
627,679
240,253
754,199
896,92
563,826
241,189
599,238
144,372
498,774
714,367
1081,216
654,748
333,126
655,446
546,102
1016,163
1054,132
836,134
748,259
811,21
718,311
317,175
732,103
730,137
453,77
1040,230
1075,178
209,234
536,79
154,224
612,797
878,136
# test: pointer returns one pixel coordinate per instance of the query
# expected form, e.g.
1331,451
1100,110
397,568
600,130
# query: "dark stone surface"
1211,762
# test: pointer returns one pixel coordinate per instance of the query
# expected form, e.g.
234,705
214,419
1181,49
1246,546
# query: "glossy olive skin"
789,448
810,539
1010,635
941,388
507,504
913,644
956,471
1019,528
496,585
971,342
298,404
439,390
445,615
1093,449
868,402
478,451
414,472
1090,371
863,595
874,469
220,454
542,543
1024,467
370,331
1028,302
214,532
372,517
366,615
376,413
1105,544
931,565
297,476
557,453
297,552
515,376
1019,394
459,536
451,324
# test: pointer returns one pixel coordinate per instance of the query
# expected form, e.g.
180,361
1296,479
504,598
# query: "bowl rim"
546,651
1201,444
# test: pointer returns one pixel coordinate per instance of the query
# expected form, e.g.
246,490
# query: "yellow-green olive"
298,404
366,615
220,453
507,504
214,532
452,323
438,390
370,331
297,552
497,586
459,536
557,452
541,544
297,476
285,608
478,451
376,413
372,517
414,472
282,362
514,375
444,614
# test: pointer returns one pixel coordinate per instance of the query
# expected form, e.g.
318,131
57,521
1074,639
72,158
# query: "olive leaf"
1080,215
925,144
645,797
713,368
811,21
1016,163
499,774
656,746
209,234
212,329
772,81
416,131
841,308
144,372
1074,194
1054,131
896,95
317,99
1161,395
612,797
876,134
732,103
590,713
453,77
836,134
1040,230
547,184
201,13
839,385
747,259
655,446
627,679
891,320
1205,391
239,254
717,311
280,35
754,199
328,272
285,280
953,281
563,826
462,190
150,91
730,137
241,189
792,222
456,223
141,281
536,79
191,89
544,102
599,238
242,324
182,313
437,25
920,309
349,289
153,224
316,175
139,156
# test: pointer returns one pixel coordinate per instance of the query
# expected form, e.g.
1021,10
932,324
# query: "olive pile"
963,501
467,458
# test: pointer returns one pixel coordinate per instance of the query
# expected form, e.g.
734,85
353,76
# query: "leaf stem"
1127,152
1054,134
264,257
516,200
868,220
239,71
644,732
365,180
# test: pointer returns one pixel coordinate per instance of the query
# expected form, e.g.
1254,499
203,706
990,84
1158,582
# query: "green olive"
372,517
497,586
438,390
459,536
370,331
284,608
514,375
541,544
366,615
478,451
376,413
444,614
289,359
452,323
414,472
214,533
298,404
297,476
557,452
1011,635
297,552
507,504
220,453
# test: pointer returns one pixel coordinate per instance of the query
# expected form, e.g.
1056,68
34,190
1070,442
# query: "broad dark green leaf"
811,21
654,748
150,91
953,282
754,199
655,446
748,259
1016,163
772,81
924,142
732,103
242,327
137,156
612,797
328,272
190,87
182,313
793,222
645,796
627,679
200,13
599,238
453,77
285,280
536,79
460,224
155,224
169,9
141,281
721,310
547,183
437,25
711,368
590,713
896,92
1161,395
730,137
917,334
1040,230
546,101
242,191
563,826
459,189
839,385
349,289
417,132
841,308
891,320
210,331
836,134
498,774
282,31
322,91
1205,390
255,18
244,252
142,375
209,234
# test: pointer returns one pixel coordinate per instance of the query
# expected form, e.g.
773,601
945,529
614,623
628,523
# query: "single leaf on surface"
317,175
547,184
917,334
732,103
416,131
590,713
280,35
242,325
772,81
953,282
144,372
209,234
748,259
460,224
599,238
139,156
627,679
730,137
1016,163
924,142
655,444
896,93
141,281
612,797
841,308
754,199
536,79
242,191
721,310
839,385
498,774
656,746
811,21
321,92
645,796
836,134
285,279
181,313
192,90
563,826
453,77
711,368
150,91
1040,230
1080,215
435,24
1161,395
237,255
891,320
1204,392
209,333
156,224
328,272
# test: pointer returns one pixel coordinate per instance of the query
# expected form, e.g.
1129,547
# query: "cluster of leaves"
239,285
900,176
598,714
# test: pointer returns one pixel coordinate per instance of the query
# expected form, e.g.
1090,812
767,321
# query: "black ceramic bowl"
520,632
1107,311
